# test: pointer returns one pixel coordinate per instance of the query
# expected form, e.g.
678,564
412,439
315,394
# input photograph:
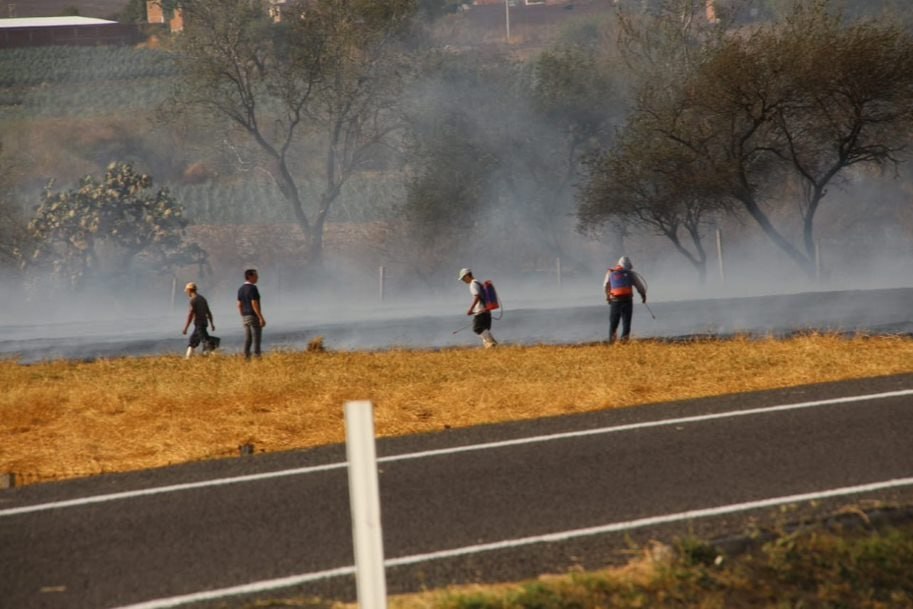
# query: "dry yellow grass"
64,419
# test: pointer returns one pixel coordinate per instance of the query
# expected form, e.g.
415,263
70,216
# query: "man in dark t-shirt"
251,314
200,315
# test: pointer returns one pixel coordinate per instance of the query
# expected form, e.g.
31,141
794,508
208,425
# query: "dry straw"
64,419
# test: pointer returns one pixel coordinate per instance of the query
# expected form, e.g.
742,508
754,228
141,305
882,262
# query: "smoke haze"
519,233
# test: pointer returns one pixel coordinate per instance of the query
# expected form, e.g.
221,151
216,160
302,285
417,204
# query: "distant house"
65,31
157,13
171,14
278,9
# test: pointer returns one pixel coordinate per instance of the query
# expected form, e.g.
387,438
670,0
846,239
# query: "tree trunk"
808,222
805,263
315,244
699,260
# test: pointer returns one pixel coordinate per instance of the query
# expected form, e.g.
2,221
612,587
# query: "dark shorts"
481,322
199,335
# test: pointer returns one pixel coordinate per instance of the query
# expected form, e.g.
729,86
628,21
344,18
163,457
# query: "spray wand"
461,328
651,312
646,287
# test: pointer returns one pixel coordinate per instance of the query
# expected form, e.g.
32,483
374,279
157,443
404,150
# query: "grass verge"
64,419
814,567
851,559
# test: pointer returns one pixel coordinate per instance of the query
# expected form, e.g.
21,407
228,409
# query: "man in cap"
200,315
481,320
619,285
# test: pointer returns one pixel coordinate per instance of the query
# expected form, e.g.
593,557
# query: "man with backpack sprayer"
619,285
479,309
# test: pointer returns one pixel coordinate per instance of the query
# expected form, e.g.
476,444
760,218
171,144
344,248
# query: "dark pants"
252,334
200,335
481,322
620,310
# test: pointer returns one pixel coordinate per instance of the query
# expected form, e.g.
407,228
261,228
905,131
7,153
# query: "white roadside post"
817,259
507,19
364,498
719,254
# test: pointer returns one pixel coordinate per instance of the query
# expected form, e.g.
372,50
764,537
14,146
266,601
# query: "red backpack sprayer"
490,297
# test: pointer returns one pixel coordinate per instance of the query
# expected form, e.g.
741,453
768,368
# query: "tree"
575,86
452,148
638,183
822,96
640,180
119,216
444,195
462,126
13,235
497,142
326,76
576,100
794,102
134,12
431,10
780,9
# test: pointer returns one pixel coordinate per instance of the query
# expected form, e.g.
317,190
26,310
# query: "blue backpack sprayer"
621,283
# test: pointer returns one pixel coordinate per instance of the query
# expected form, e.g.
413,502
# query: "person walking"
481,320
251,312
619,285
200,315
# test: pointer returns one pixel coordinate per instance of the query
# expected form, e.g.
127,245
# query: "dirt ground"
379,326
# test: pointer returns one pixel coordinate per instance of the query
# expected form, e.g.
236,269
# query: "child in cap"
200,315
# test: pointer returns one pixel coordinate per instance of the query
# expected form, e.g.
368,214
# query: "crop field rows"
67,81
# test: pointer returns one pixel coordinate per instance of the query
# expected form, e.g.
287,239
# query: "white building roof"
51,21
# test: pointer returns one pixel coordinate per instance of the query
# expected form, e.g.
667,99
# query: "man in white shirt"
481,320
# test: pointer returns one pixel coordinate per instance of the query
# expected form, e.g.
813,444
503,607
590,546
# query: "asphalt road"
485,504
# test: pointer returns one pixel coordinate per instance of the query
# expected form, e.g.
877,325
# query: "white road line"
295,580
264,586
449,451
157,490
647,424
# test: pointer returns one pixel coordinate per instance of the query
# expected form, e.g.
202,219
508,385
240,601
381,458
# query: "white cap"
464,272
625,263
